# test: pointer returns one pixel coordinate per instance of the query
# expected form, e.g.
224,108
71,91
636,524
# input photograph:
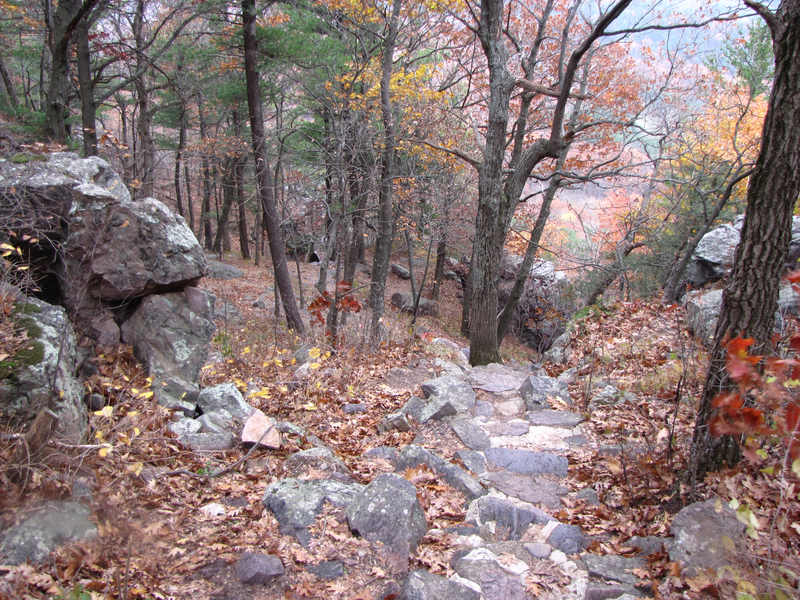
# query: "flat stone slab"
496,378
526,462
554,418
528,489
613,568
538,438
473,436
511,428
414,456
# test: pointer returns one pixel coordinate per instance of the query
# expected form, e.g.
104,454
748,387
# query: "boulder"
171,333
297,503
457,391
423,585
43,530
527,462
261,429
256,568
224,396
218,270
387,512
401,271
405,303
317,463
117,251
40,374
705,535
414,456
538,392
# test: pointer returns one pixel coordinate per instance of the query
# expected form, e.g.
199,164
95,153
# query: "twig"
674,416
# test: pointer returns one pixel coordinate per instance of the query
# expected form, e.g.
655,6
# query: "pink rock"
255,426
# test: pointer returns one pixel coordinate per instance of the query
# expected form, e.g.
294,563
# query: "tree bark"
86,88
750,298
383,243
9,83
282,280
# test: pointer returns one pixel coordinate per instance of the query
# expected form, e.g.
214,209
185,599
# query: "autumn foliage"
765,404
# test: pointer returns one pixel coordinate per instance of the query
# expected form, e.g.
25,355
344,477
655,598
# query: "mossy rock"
30,326
28,308
32,353
25,157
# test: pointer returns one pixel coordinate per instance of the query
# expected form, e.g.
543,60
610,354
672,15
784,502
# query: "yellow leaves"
106,412
314,353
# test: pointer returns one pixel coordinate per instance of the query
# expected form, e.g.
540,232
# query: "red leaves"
346,301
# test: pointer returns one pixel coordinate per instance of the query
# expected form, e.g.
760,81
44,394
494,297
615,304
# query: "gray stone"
470,434
184,427
256,568
290,428
44,529
528,489
171,333
648,545
218,270
554,418
513,428
297,503
511,517
224,396
614,568
414,407
330,569
474,461
589,495
50,336
597,590
483,409
496,378
527,462
354,408
396,420
496,583
405,303
103,330
227,311
401,271
455,476
118,251
459,392
568,538
610,396
176,394
208,442
538,392
700,531
423,585
387,512
384,453
438,408
218,421
319,460
538,549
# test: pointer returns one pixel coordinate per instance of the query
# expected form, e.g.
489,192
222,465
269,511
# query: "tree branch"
540,89
455,152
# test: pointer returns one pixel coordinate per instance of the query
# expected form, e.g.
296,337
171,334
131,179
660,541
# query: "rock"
455,476
538,549
414,407
118,251
354,408
388,512
511,517
384,453
438,408
471,434
330,569
405,303
554,418
256,568
184,427
568,538
539,391
589,496
171,333
559,352
527,462
496,378
483,409
103,330
496,583
449,350
401,271
297,503
208,442
40,373
702,531
396,421
614,568
218,270
474,461
610,396
458,392
319,460
176,394
218,421
260,429
512,428
224,396
528,489
423,585
648,545
44,529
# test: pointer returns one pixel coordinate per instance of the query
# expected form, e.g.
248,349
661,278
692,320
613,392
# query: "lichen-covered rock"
40,374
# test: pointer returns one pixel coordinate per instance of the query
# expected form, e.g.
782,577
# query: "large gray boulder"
117,251
705,536
41,373
387,512
43,530
423,585
405,303
171,333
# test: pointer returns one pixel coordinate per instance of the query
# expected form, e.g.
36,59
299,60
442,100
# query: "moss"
29,325
25,157
29,309
32,352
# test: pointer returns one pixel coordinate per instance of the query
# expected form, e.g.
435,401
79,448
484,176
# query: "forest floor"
148,495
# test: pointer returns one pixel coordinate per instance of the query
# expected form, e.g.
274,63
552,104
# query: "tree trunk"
86,88
383,243
750,298
228,196
179,158
9,83
282,280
